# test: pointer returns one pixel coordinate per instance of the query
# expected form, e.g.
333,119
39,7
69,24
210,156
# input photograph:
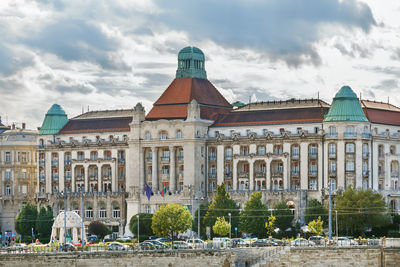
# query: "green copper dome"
54,121
191,63
345,107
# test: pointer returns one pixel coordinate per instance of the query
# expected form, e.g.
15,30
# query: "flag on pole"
164,191
148,191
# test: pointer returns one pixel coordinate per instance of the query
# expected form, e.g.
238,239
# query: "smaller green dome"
345,107
54,121
191,63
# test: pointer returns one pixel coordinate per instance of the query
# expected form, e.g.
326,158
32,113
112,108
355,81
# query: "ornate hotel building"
17,172
193,139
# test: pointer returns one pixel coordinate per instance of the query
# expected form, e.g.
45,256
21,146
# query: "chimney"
23,125
13,126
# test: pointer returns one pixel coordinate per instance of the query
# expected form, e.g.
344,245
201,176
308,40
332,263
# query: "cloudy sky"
113,54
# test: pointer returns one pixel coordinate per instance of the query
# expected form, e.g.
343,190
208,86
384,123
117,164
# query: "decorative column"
172,168
72,177
268,172
251,174
154,171
48,172
234,170
113,176
285,173
99,176
220,164
142,172
61,171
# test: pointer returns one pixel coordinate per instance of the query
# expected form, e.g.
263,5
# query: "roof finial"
388,99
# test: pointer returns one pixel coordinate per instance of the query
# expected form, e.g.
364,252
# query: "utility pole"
330,212
230,226
82,229
138,229
337,230
65,216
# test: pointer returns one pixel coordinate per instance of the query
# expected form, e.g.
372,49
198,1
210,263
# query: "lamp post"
138,229
330,211
230,225
337,230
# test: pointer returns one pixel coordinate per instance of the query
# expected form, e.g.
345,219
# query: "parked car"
20,247
222,242
107,238
301,242
125,238
91,239
164,239
240,242
68,247
345,241
146,246
180,245
263,243
157,244
279,242
196,243
318,240
117,246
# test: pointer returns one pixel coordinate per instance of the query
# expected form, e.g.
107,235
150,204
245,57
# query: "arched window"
116,212
163,135
93,155
88,210
102,210
41,143
179,134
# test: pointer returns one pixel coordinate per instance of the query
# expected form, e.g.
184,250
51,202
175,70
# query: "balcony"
332,155
93,177
149,158
394,174
295,173
212,157
366,135
180,158
54,162
68,177
278,153
212,175
79,177
228,174
332,173
228,157
350,135
277,172
164,159
312,173
106,177
260,174
331,135
312,155
121,161
67,162
42,178
54,177
365,154
243,175
41,162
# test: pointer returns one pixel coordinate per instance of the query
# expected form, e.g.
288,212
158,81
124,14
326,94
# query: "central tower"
191,63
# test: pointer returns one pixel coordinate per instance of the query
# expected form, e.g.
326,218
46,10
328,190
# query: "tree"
145,220
221,227
270,225
98,228
171,219
360,209
26,220
314,210
44,223
203,211
253,216
284,216
316,226
221,206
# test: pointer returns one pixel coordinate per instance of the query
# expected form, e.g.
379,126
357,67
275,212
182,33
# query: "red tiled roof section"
167,112
278,116
116,124
184,90
382,116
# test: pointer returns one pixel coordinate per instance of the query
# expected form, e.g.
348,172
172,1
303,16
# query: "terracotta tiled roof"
117,124
167,112
184,90
382,116
378,105
281,116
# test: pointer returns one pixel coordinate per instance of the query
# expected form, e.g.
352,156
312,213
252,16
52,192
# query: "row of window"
163,135
21,157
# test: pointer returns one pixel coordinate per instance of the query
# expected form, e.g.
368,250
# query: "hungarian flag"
164,191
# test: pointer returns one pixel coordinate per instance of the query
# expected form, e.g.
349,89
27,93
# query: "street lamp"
138,229
337,231
230,225
65,216
330,211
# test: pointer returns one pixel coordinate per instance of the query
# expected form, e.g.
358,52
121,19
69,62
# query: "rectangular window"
349,165
350,148
89,213
116,213
102,213
7,157
261,150
313,184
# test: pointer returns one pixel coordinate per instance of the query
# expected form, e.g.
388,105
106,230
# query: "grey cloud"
390,70
155,79
11,61
355,50
396,54
387,85
155,65
283,29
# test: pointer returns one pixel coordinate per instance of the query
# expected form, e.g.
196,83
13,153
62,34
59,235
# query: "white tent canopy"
73,225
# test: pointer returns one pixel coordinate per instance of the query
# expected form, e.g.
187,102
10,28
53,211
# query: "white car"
301,242
345,242
196,243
